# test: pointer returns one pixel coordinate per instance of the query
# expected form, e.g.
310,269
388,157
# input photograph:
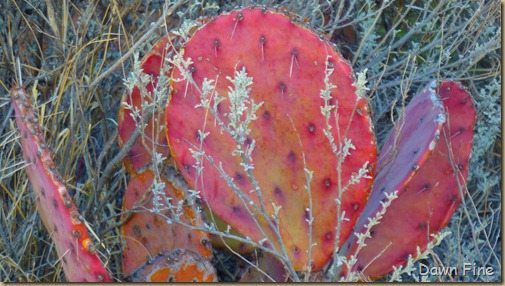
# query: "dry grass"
66,50
63,46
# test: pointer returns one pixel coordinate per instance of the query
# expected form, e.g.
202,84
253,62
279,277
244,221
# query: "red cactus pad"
59,214
146,234
428,197
179,265
288,65
154,132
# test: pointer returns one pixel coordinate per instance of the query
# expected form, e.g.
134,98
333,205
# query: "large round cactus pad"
288,65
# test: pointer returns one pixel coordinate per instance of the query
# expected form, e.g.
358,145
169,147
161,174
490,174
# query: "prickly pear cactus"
426,160
59,214
145,234
290,67
178,265
154,136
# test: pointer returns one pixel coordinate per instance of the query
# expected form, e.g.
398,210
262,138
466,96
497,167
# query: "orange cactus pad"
179,265
146,234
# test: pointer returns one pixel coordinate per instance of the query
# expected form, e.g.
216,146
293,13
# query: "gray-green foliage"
487,130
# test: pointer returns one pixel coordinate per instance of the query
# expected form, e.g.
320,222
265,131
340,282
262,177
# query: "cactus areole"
288,65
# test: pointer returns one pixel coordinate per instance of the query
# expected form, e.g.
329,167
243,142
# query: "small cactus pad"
59,214
223,242
428,195
265,268
288,65
154,132
178,265
145,234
